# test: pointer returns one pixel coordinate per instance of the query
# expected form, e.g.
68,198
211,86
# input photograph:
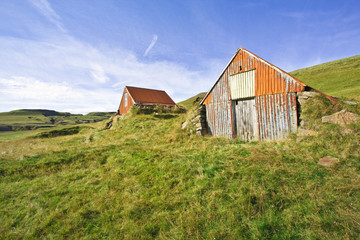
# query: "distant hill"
28,119
340,78
29,112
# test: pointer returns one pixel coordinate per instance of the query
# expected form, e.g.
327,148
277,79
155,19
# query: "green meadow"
147,178
340,78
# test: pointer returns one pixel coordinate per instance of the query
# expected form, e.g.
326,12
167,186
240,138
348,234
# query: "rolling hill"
340,78
29,119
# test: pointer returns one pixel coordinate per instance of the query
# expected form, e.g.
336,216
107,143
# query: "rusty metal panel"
269,79
274,92
242,85
246,119
219,119
207,100
122,108
277,115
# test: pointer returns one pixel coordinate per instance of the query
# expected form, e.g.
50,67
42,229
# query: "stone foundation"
303,98
196,122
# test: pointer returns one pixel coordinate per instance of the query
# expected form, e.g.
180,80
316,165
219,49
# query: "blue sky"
77,56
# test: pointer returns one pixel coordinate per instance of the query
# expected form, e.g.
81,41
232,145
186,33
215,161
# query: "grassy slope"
339,78
147,179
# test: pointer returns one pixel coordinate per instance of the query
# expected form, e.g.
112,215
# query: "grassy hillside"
27,119
339,78
146,178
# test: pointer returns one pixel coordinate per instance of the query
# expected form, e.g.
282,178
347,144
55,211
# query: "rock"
342,118
350,102
307,94
184,125
306,132
328,161
302,123
302,101
198,125
196,119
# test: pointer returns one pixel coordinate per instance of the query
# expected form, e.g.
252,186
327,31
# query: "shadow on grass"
166,116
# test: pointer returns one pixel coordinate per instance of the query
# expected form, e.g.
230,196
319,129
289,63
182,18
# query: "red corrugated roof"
149,96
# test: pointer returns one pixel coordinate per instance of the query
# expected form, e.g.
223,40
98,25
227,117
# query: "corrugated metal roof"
148,96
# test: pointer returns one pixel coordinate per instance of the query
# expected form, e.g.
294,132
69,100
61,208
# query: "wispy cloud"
71,75
45,9
68,74
99,74
153,42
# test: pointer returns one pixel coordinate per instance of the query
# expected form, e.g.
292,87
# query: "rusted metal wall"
219,110
122,108
275,98
219,119
277,115
242,85
245,118
268,78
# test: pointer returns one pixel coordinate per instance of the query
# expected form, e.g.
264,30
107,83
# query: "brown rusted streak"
268,83
273,111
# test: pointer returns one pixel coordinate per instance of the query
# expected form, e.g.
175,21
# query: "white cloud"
45,9
98,74
152,44
66,74
24,88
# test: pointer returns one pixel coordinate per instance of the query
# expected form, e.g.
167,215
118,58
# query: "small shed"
253,100
143,97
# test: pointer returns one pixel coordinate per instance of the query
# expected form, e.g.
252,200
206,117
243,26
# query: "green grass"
146,179
189,103
15,135
339,78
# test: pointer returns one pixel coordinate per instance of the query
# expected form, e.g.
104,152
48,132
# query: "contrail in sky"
153,41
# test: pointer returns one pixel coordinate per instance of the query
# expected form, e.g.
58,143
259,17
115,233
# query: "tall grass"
146,178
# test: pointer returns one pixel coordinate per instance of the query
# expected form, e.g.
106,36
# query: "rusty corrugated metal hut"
253,100
143,97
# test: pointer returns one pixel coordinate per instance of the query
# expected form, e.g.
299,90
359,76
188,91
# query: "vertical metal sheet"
275,99
219,119
277,115
242,85
122,108
246,119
